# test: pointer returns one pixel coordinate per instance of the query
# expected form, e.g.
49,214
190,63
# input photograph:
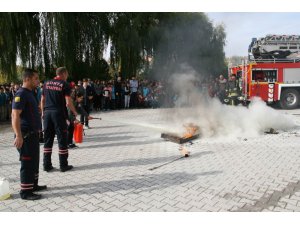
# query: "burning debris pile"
191,133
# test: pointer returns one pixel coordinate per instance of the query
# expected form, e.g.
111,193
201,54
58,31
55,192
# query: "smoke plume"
218,120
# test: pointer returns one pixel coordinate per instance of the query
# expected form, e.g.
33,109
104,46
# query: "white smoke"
218,120
184,87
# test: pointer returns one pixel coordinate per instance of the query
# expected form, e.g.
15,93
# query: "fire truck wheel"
289,99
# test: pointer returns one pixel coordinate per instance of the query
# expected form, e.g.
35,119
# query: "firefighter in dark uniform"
54,103
232,91
88,95
26,123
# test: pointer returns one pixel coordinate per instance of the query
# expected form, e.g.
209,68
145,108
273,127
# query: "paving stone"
292,208
279,209
168,208
9,209
129,208
15,205
195,209
22,209
184,207
154,209
52,206
38,208
290,201
112,173
89,207
75,209
58,200
66,204
143,206
115,209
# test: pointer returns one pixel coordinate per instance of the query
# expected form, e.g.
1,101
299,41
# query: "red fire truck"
273,80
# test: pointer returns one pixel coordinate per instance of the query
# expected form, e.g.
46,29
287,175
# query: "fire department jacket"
232,89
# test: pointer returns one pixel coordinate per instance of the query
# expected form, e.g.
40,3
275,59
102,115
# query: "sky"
242,27
243,20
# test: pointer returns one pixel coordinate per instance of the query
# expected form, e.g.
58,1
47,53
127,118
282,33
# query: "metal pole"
244,74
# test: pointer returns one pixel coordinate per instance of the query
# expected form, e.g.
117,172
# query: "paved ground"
126,167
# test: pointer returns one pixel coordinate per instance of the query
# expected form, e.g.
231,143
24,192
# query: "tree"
19,38
151,43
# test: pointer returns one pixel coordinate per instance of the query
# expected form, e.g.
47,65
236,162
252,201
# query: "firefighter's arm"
84,113
16,125
42,105
71,106
91,94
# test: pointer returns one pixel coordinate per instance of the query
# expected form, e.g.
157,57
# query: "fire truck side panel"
291,75
271,81
280,75
266,91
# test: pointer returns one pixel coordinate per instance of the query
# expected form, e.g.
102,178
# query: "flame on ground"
191,130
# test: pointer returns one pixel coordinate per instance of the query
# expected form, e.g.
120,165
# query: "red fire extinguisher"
78,132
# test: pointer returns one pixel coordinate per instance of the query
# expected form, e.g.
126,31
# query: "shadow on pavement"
107,139
132,143
108,134
138,162
92,127
138,184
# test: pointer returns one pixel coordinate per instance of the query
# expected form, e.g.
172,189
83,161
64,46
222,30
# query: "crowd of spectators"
120,94
7,91
127,94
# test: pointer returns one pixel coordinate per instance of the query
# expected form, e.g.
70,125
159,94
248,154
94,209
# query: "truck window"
264,75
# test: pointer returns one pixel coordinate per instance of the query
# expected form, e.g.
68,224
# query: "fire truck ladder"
244,75
294,60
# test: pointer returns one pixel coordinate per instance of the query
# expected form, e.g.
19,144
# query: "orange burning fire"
191,130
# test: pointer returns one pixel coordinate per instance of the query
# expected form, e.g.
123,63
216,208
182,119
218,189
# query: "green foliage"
3,79
46,41
19,37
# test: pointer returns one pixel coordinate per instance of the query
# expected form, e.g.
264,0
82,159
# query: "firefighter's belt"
28,134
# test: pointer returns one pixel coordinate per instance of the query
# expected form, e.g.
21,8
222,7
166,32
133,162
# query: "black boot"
29,196
39,187
63,163
48,168
47,162
66,168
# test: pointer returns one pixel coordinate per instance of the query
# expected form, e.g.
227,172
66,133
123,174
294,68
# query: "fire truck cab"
273,80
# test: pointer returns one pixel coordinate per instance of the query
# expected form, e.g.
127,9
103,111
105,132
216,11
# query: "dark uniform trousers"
83,119
30,159
70,133
55,123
